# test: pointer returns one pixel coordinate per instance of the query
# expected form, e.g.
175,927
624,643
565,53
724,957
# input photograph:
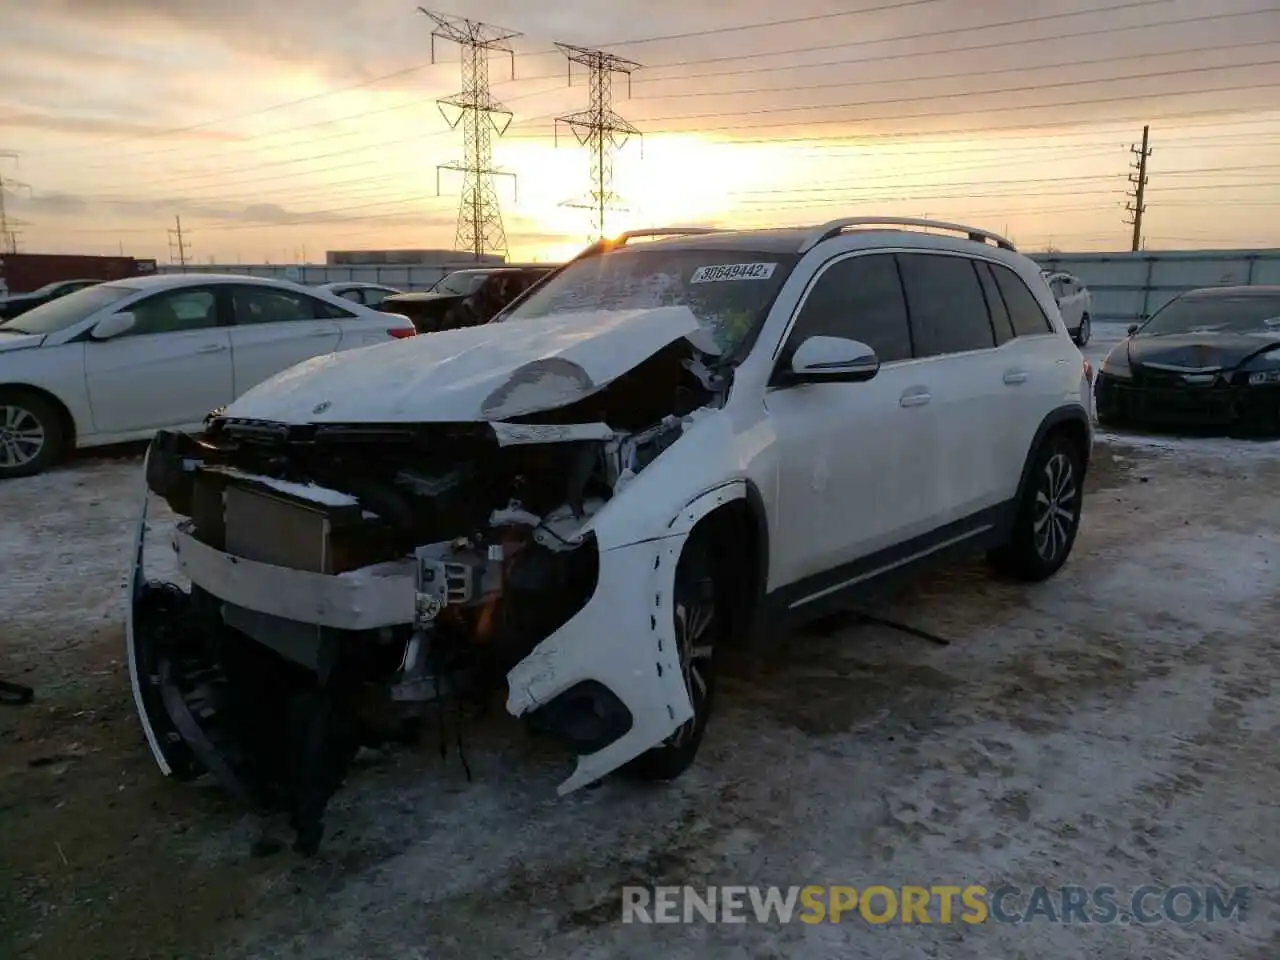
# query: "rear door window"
1000,321
947,307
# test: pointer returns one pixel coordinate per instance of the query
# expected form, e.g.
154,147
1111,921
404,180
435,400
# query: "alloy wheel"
1056,508
21,436
695,620
1084,331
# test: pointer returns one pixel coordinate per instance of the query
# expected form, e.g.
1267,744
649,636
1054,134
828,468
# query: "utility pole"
480,228
1136,208
178,249
598,127
8,235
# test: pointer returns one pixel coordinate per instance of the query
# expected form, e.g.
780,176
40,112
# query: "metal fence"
408,278
1129,286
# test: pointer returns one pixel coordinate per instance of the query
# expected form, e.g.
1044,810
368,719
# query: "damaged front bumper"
257,648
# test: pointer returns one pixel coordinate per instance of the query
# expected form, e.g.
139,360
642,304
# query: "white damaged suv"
681,440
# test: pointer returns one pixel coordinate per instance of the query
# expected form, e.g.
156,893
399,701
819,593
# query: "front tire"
700,622
1048,514
31,434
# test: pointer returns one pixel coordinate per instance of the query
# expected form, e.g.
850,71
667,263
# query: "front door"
170,369
853,458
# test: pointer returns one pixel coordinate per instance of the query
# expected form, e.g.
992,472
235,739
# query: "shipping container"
25,272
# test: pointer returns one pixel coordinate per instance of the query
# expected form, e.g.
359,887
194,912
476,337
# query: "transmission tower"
480,116
179,251
1136,207
599,128
8,235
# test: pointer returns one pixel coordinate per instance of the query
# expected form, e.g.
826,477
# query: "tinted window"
374,297
1024,309
859,298
995,303
948,310
267,305
176,311
353,295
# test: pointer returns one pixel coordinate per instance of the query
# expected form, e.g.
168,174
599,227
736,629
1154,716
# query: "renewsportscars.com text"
940,904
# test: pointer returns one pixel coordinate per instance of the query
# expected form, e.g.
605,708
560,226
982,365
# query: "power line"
1138,178
1026,88
912,54
599,128
479,216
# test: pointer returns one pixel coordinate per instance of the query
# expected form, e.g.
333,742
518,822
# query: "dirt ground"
1117,725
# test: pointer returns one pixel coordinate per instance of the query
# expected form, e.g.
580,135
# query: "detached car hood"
1199,351
484,373
19,341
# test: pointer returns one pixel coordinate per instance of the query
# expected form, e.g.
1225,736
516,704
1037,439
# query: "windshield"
67,311
463,283
729,291
1244,314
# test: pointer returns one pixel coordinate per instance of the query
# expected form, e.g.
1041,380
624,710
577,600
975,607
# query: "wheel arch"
65,418
737,523
1071,421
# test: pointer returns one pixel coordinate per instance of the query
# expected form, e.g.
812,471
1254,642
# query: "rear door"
1032,362
275,328
171,369
955,347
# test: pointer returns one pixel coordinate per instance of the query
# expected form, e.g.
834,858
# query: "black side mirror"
1133,328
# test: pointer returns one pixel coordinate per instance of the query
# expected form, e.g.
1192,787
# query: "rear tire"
1085,331
1048,514
32,437
701,621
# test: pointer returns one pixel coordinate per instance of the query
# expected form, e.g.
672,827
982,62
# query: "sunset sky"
277,131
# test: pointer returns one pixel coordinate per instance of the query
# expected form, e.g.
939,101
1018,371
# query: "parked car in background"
116,361
1208,358
665,450
369,294
463,283
489,291
17,304
1075,303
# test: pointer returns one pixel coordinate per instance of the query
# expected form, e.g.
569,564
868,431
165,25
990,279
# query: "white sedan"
357,291
115,362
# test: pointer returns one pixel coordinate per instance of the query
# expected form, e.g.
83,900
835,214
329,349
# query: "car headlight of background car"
1270,374
1117,364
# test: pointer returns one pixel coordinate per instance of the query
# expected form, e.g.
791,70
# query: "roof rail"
629,235
837,227
612,243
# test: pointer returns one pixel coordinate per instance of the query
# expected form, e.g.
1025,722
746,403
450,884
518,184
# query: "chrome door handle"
1015,377
212,348
915,399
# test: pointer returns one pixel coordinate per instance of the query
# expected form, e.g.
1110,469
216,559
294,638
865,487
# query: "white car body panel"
842,470
489,372
125,389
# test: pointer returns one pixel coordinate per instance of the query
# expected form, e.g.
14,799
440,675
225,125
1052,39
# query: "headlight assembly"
1112,367
1264,378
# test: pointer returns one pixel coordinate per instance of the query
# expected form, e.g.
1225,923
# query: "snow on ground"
1116,725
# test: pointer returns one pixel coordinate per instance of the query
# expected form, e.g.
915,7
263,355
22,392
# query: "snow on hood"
19,341
483,373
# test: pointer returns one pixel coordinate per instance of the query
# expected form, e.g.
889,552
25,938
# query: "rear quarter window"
1025,312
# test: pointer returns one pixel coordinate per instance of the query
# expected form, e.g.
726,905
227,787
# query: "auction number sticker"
733,271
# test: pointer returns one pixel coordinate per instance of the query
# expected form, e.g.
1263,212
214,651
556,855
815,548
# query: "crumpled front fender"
623,638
